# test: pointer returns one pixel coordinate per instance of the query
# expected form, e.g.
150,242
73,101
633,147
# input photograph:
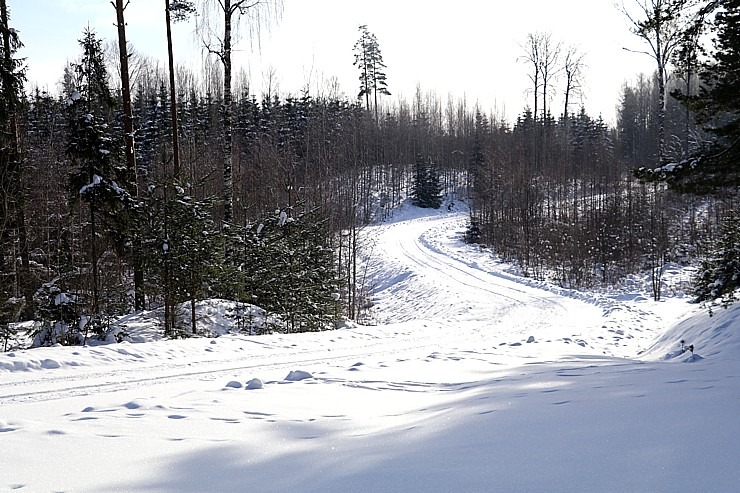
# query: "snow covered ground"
473,380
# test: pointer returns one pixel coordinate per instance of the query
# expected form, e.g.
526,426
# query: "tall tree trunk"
128,128
228,190
94,262
173,96
14,169
661,100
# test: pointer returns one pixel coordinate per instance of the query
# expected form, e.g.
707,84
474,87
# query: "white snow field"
473,380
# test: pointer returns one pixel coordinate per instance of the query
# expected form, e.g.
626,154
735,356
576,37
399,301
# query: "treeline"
95,235
91,231
558,197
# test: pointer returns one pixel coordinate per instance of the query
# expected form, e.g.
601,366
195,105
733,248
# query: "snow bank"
716,336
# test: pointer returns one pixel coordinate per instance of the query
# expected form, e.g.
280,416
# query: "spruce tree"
98,178
289,271
719,272
183,252
16,289
426,190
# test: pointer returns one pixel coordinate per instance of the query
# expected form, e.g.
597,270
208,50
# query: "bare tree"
543,55
220,44
549,66
532,56
573,65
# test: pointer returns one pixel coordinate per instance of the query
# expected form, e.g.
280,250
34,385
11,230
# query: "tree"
369,60
661,24
221,46
533,57
543,55
183,251
129,138
718,276
13,232
96,178
176,10
714,168
289,269
573,65
637,121
426,188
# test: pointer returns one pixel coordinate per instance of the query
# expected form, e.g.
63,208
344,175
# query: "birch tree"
219,31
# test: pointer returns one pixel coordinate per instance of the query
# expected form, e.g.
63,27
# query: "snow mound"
298,375
715,336
254,384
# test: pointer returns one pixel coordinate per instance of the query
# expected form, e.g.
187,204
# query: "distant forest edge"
139,187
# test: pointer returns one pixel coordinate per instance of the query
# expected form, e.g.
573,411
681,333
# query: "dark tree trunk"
128,128
228,190
173,96
14,169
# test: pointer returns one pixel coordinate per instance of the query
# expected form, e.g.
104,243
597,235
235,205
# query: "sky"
465,48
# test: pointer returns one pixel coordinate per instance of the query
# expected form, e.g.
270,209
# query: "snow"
473,379
95,182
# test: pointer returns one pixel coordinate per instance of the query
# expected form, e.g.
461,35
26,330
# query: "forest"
147,186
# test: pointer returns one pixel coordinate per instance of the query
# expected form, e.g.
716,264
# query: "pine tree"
369,60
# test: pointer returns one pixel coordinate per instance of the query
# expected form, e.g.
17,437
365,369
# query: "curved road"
420,270
427,286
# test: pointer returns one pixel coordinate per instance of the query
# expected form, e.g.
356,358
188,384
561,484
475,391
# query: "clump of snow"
233,385
298,375
254,384
62,299
95,182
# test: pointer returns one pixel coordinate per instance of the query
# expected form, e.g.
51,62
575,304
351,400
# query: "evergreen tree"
426,189
14,276
719,272
98,178
184,251
289,271
369,60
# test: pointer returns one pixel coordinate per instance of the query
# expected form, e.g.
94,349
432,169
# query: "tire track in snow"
438,286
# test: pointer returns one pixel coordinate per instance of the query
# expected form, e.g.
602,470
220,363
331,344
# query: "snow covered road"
419,269
473,380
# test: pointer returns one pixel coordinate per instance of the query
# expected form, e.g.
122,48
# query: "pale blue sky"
466,47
